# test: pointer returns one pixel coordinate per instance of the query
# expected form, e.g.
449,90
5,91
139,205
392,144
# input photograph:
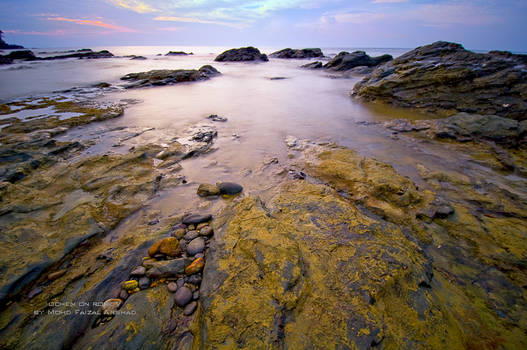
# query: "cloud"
197,20
95,23
171,29
135,5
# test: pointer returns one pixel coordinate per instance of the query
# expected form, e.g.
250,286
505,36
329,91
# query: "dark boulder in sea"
242,54
297,53
313,65
445,77
169,77
138,57
26,55
85,53
346,61
178,53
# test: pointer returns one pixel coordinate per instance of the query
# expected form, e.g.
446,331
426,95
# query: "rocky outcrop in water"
27,55
313,65
297,53
444,77
178,53
242,54
169,77
346,61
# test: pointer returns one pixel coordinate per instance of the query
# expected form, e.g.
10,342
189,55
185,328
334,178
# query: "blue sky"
477,24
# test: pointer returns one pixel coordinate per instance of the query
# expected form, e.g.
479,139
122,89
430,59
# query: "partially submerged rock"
346,61
177,53
447,78
169,77
242,54
313,65
297,53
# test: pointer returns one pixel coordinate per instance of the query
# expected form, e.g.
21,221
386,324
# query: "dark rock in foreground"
169,77
444,76
345,60
313,65
297,53
178,53
242,54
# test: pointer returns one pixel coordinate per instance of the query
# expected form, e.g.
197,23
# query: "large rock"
297,53
313,65
242,54
444,76
169,77
346,61
317,266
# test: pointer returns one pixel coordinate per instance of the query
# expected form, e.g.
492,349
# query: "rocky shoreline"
343,251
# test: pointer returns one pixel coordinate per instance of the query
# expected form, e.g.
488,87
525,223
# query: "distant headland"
6,46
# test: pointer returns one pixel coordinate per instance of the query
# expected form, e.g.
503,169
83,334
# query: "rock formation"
445,77
242,54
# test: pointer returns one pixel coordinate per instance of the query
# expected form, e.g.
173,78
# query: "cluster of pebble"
176,261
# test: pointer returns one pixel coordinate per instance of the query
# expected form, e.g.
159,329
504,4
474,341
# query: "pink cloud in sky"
95,23
33,32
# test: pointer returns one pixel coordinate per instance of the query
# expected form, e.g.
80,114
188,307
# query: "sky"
477,24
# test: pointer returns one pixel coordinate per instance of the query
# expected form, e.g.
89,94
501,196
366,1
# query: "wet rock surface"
242,54
444,76
345,61
297,53
169,77
313,65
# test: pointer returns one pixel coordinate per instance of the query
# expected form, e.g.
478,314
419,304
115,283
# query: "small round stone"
190,235
195,295
191,227
230,188
196,266
144,282
194,279
196,246
130,285
206,231
172,287
180,282
110,306
123,294
190,308
183,296
178,233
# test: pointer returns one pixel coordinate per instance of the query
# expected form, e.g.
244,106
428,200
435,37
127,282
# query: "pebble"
180,282
191,227
194,279
206,190
190,235
195,295
172,287
216,118
229,188
196,266
123,294
200,226
196,219
168,246
182,296
199,255
144,282
55,275
444,211
197,245
178,233
190,308
110,306
130,285
34,292
206,231
138,271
